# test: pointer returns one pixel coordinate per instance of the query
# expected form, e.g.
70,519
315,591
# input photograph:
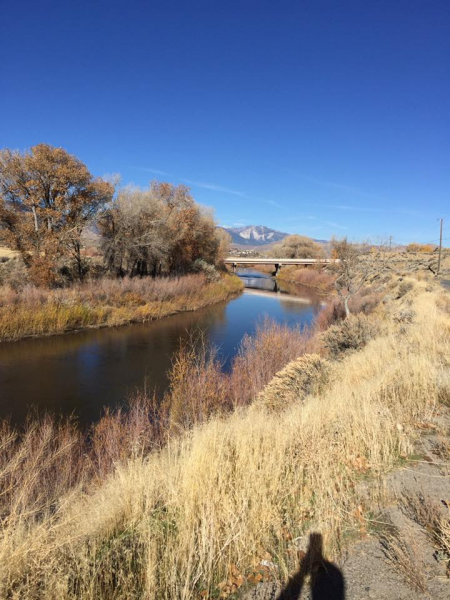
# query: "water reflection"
82,372
256,280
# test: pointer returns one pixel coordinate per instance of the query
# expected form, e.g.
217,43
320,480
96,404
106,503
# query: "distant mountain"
254,235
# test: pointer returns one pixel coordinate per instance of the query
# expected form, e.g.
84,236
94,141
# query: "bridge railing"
272,261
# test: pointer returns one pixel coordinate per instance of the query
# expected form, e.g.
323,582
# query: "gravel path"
403,560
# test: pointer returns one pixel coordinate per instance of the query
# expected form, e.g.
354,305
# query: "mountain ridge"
258,235
254,235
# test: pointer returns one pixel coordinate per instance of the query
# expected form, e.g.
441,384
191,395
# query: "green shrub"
207,269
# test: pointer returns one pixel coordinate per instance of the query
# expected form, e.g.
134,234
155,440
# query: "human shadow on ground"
326,580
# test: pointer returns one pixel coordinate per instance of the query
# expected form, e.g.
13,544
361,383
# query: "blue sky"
316,117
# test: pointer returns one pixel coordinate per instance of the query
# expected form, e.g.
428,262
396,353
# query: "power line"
437,241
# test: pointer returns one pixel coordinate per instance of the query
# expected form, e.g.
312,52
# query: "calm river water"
82,372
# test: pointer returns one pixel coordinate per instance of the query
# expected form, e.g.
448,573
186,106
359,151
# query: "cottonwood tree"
297,246
47,197
161,229
356,264
224,242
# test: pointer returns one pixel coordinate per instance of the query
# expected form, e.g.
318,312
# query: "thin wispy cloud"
350,208
370,209
341,187
151,170
358,192
275,204
214,187
335,225
211,186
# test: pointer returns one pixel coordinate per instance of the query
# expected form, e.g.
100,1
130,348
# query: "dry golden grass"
34,311
401,551
304,376
7,252
435,521
235,489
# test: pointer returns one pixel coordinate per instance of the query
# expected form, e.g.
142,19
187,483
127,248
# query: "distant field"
256,248
7,252
266,248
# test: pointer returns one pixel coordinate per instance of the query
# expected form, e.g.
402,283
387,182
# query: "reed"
36,311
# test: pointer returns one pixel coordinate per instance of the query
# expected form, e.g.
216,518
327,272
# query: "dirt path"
406,555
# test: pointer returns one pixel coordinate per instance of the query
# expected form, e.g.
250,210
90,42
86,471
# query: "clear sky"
310,116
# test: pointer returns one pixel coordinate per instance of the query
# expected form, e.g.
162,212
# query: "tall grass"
174,520
35,311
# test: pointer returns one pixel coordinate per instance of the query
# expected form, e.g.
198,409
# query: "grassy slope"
106,303
213,503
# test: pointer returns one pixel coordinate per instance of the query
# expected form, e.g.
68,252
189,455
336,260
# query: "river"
80,373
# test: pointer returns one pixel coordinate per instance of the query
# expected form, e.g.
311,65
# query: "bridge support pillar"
277,269
234,267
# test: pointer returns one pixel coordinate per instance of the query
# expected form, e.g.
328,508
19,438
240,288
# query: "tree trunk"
36,231
36,226
347,310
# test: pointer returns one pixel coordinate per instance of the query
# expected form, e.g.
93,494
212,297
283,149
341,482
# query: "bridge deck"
240,260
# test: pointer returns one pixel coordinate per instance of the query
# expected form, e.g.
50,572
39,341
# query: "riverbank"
36,312
317,279
223,492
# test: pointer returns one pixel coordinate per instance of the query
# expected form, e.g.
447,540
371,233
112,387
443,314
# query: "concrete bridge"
234,261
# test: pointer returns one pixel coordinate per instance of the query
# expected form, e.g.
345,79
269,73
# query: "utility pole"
440,248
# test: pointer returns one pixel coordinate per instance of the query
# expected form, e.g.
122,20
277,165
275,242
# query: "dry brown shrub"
13,273
365,301
332,313
124,433
301,377
44,271
403,288
405,315
352,334
443,302
423,248
38,465
261,356
197,388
